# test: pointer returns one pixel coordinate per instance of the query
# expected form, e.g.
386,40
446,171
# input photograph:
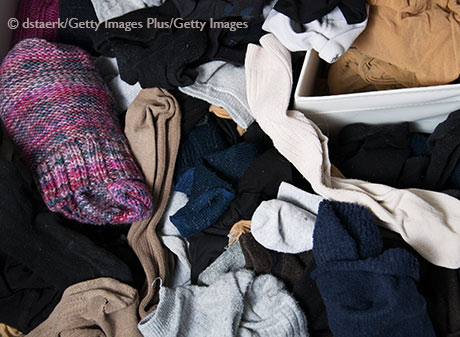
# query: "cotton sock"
367,291
231,260
298,197
100,307
330,36
412,212
236,304
222,84
153,132
178,245
283,227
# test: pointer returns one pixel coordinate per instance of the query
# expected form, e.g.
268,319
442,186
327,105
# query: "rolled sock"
330,36
236,304
69,135
367,291
427,220
110,9
223,84
231,260
171,238
298,197
283,227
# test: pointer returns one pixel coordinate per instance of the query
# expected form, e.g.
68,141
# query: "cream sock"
428,221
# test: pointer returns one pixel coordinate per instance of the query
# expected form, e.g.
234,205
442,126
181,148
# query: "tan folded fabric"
419,36
103,307
222,113
239,228
153,131
356,72
7,331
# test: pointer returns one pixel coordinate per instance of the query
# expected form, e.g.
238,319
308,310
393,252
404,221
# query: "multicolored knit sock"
62,118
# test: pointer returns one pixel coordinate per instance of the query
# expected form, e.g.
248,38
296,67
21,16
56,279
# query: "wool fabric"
100,307
236,304
153,132
305,11
330,36
427,220
294,270
46,11
66,129
211,188
367,291
222,84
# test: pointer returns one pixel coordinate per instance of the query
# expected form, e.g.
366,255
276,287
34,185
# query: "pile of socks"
154,183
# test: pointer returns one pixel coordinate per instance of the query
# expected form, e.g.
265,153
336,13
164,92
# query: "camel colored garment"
96,308
153,132
239,228
428,221
420,36
222,113
7,331
356,72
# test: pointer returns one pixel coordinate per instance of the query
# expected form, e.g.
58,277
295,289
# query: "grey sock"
237,304
283,227
300,198
223,84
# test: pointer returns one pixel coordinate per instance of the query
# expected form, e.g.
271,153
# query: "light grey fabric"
178,245
229,261
223,84
237,304
123,92
283,227
109,9
298,197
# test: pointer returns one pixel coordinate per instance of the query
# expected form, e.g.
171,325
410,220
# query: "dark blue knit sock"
210,189
367,292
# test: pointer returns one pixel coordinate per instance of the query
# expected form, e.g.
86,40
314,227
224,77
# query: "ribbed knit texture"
367,292
153,131
42,11
62,119
428,221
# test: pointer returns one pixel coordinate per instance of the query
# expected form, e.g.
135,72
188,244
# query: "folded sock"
236,304
222,84
212,188
71,138
283,227
367,291
330,36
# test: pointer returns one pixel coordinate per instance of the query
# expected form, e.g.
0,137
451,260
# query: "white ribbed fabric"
428,221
